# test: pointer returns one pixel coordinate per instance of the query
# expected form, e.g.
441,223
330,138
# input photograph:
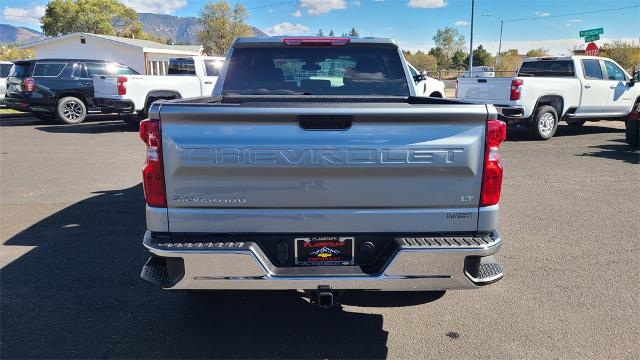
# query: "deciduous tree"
11,52
449,40
221,25
108,17
537,52
625,53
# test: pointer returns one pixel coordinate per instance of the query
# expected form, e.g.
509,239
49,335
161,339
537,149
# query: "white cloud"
461,23
18,15
573,22
319,7
156,6
428,4
356,3
378,0
286,28
297,14
542,13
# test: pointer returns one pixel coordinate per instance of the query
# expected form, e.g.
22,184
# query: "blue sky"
410,22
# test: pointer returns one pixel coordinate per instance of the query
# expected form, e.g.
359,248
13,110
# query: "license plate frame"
324,251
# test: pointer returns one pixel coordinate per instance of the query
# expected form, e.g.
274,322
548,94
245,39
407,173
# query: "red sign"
592,49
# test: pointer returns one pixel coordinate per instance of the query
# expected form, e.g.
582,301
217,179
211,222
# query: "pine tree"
320,33
354,33
331,33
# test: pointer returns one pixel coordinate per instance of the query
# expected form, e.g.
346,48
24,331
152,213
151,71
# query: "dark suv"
57,89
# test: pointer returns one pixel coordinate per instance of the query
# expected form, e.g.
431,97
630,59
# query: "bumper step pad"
455,242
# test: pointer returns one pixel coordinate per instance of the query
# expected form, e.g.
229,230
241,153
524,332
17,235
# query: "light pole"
473,5
500,42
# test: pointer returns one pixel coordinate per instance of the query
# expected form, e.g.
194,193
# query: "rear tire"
71,110
632,133
544,123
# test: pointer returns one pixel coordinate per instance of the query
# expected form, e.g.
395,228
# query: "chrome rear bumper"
423,263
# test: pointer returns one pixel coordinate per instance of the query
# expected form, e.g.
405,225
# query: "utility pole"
500,41
473,5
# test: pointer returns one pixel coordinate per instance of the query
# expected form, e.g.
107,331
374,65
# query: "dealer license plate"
324,251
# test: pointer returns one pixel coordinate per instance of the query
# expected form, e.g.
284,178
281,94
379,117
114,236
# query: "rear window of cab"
302,70
547,68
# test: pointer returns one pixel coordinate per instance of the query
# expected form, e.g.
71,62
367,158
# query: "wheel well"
555,101
160,95
436,94
76,95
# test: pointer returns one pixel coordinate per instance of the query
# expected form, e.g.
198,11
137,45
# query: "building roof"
147,45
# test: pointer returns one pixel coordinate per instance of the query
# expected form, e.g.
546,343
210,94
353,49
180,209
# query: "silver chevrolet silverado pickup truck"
314,166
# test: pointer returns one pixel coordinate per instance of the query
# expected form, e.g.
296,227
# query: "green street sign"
591,38
591,32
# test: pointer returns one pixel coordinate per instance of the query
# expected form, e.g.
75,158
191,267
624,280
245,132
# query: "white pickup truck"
133,94
424,85
549,89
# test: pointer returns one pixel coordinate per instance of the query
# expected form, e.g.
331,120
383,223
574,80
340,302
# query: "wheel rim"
72,110
546,123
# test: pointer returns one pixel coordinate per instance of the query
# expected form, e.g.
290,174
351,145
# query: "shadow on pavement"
78,294
519,133
618,151
89,128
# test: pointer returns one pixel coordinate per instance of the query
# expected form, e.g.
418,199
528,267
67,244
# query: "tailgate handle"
482,80
325,122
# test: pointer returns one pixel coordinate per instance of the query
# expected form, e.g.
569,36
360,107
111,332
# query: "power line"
270,5
573,14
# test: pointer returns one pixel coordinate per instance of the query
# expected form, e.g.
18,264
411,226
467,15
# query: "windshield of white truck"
316,71
547,68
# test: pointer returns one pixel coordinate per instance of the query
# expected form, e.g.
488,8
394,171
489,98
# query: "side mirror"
635,77
421,76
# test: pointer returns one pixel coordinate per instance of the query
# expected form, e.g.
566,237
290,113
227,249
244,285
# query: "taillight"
492,174
456,94
29,85
122,87
515,89
314,41
153,170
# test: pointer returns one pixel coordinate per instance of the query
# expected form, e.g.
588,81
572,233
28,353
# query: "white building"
146,57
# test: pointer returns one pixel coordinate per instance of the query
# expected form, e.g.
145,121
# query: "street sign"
592,50
590,38
591,32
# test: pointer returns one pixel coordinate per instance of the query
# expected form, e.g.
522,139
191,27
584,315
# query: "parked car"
5,67
314,166
57,89
549,89
132,95
426,86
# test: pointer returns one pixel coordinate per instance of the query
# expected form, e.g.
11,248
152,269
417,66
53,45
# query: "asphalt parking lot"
72,217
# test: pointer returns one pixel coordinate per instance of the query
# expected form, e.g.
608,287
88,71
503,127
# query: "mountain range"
180,30
14,34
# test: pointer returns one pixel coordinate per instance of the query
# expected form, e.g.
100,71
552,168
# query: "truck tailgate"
495,90
105,85
252,167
